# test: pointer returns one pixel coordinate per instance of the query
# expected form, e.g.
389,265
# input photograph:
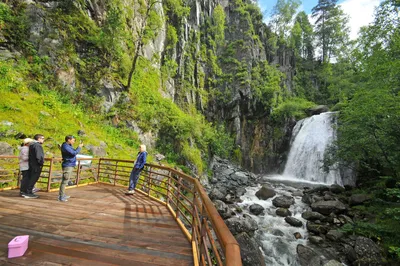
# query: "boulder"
216,194
256,209
283,201
265,192
245,224
333,263
297,235
283,212
316,240
249,250
317,229
335,188
293,221
334,235
316,110
358,199
6,149
367,252
313,216
327,207
308,256
223,209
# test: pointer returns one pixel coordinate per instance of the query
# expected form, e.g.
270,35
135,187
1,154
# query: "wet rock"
283,201
249,250
358,199
334,235
297,235
240,191
317,229
297,194
317,110
313,216
336,189
216,195
245,224
333,263
256,209
327,207
308,256
293,221
283,212
265,192
277,232
316,240
223,209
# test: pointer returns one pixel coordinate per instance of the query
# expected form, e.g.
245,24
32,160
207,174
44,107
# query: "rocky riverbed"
278,223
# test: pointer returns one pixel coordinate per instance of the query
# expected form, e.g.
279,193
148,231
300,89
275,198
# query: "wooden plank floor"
99,225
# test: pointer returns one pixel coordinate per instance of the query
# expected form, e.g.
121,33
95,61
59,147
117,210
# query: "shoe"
130,192
22,193
30,196
67,196
63,199
35,189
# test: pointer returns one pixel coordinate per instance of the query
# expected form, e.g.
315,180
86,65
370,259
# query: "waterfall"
310,139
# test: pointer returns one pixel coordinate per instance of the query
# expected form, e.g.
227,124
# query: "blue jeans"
134,177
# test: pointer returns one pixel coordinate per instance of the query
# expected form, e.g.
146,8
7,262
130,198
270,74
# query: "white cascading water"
310,139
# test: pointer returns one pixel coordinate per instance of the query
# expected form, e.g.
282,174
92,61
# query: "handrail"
182,194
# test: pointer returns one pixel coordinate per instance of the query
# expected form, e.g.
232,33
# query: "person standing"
137,168
36,161
68,163
24,164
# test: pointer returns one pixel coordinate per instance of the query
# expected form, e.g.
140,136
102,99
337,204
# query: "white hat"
28,140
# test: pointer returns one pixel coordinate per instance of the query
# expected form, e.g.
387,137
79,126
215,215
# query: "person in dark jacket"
36,161
137,168
68,163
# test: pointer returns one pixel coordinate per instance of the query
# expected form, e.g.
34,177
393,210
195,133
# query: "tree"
150,23
330,28
302,36
369,131
282,16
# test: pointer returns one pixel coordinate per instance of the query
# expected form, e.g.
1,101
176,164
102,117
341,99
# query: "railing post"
178,196
115,173
149,182
193,211
19,177
168,187
78,173
98,170
50,173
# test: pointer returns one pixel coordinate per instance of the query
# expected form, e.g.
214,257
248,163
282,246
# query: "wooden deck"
99,225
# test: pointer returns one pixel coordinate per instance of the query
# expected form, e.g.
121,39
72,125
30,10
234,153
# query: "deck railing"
183,195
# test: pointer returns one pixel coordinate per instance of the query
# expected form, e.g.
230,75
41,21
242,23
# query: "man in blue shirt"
68,163
137,168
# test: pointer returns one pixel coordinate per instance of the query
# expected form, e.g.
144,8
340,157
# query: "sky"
360,11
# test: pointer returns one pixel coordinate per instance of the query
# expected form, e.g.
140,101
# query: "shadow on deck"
99,225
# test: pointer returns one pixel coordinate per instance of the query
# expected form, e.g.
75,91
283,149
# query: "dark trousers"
34,175
134,177
25,181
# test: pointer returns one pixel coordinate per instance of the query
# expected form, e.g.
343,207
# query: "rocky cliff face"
226,78
246,45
